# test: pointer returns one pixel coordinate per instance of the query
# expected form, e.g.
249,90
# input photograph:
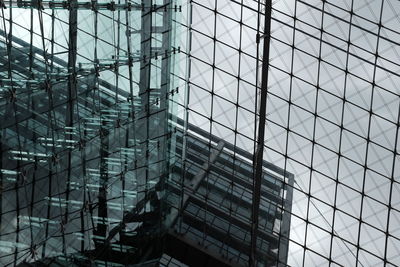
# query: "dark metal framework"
332,115
85,137
93,149
259,151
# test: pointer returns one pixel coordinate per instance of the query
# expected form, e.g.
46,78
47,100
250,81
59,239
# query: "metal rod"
86,5
258,158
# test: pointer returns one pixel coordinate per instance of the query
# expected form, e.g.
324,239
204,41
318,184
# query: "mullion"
368,138
305,81
204,236
392,180
236,125
329,149
287,127
389,40
340,142
311,169
323,118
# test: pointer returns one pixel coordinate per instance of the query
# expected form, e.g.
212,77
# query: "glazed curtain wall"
86,92
332,114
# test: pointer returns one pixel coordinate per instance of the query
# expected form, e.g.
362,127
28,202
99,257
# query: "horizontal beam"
87,5
216,211
214,232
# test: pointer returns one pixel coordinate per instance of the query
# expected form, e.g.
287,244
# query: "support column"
71,96
258,158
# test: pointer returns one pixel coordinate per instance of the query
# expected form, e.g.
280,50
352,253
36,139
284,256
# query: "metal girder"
231,147
239,201
72,95
88,5
193,185
258,157
236,244
62,63
152,194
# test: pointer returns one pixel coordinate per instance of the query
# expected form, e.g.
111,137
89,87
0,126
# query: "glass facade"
332,114
87,91
213,222
126,122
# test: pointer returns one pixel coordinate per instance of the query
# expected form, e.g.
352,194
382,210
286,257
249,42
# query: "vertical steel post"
69,120
258,157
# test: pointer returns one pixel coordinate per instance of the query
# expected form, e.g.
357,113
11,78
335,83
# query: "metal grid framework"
87,90
216,210
327,74
332,113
